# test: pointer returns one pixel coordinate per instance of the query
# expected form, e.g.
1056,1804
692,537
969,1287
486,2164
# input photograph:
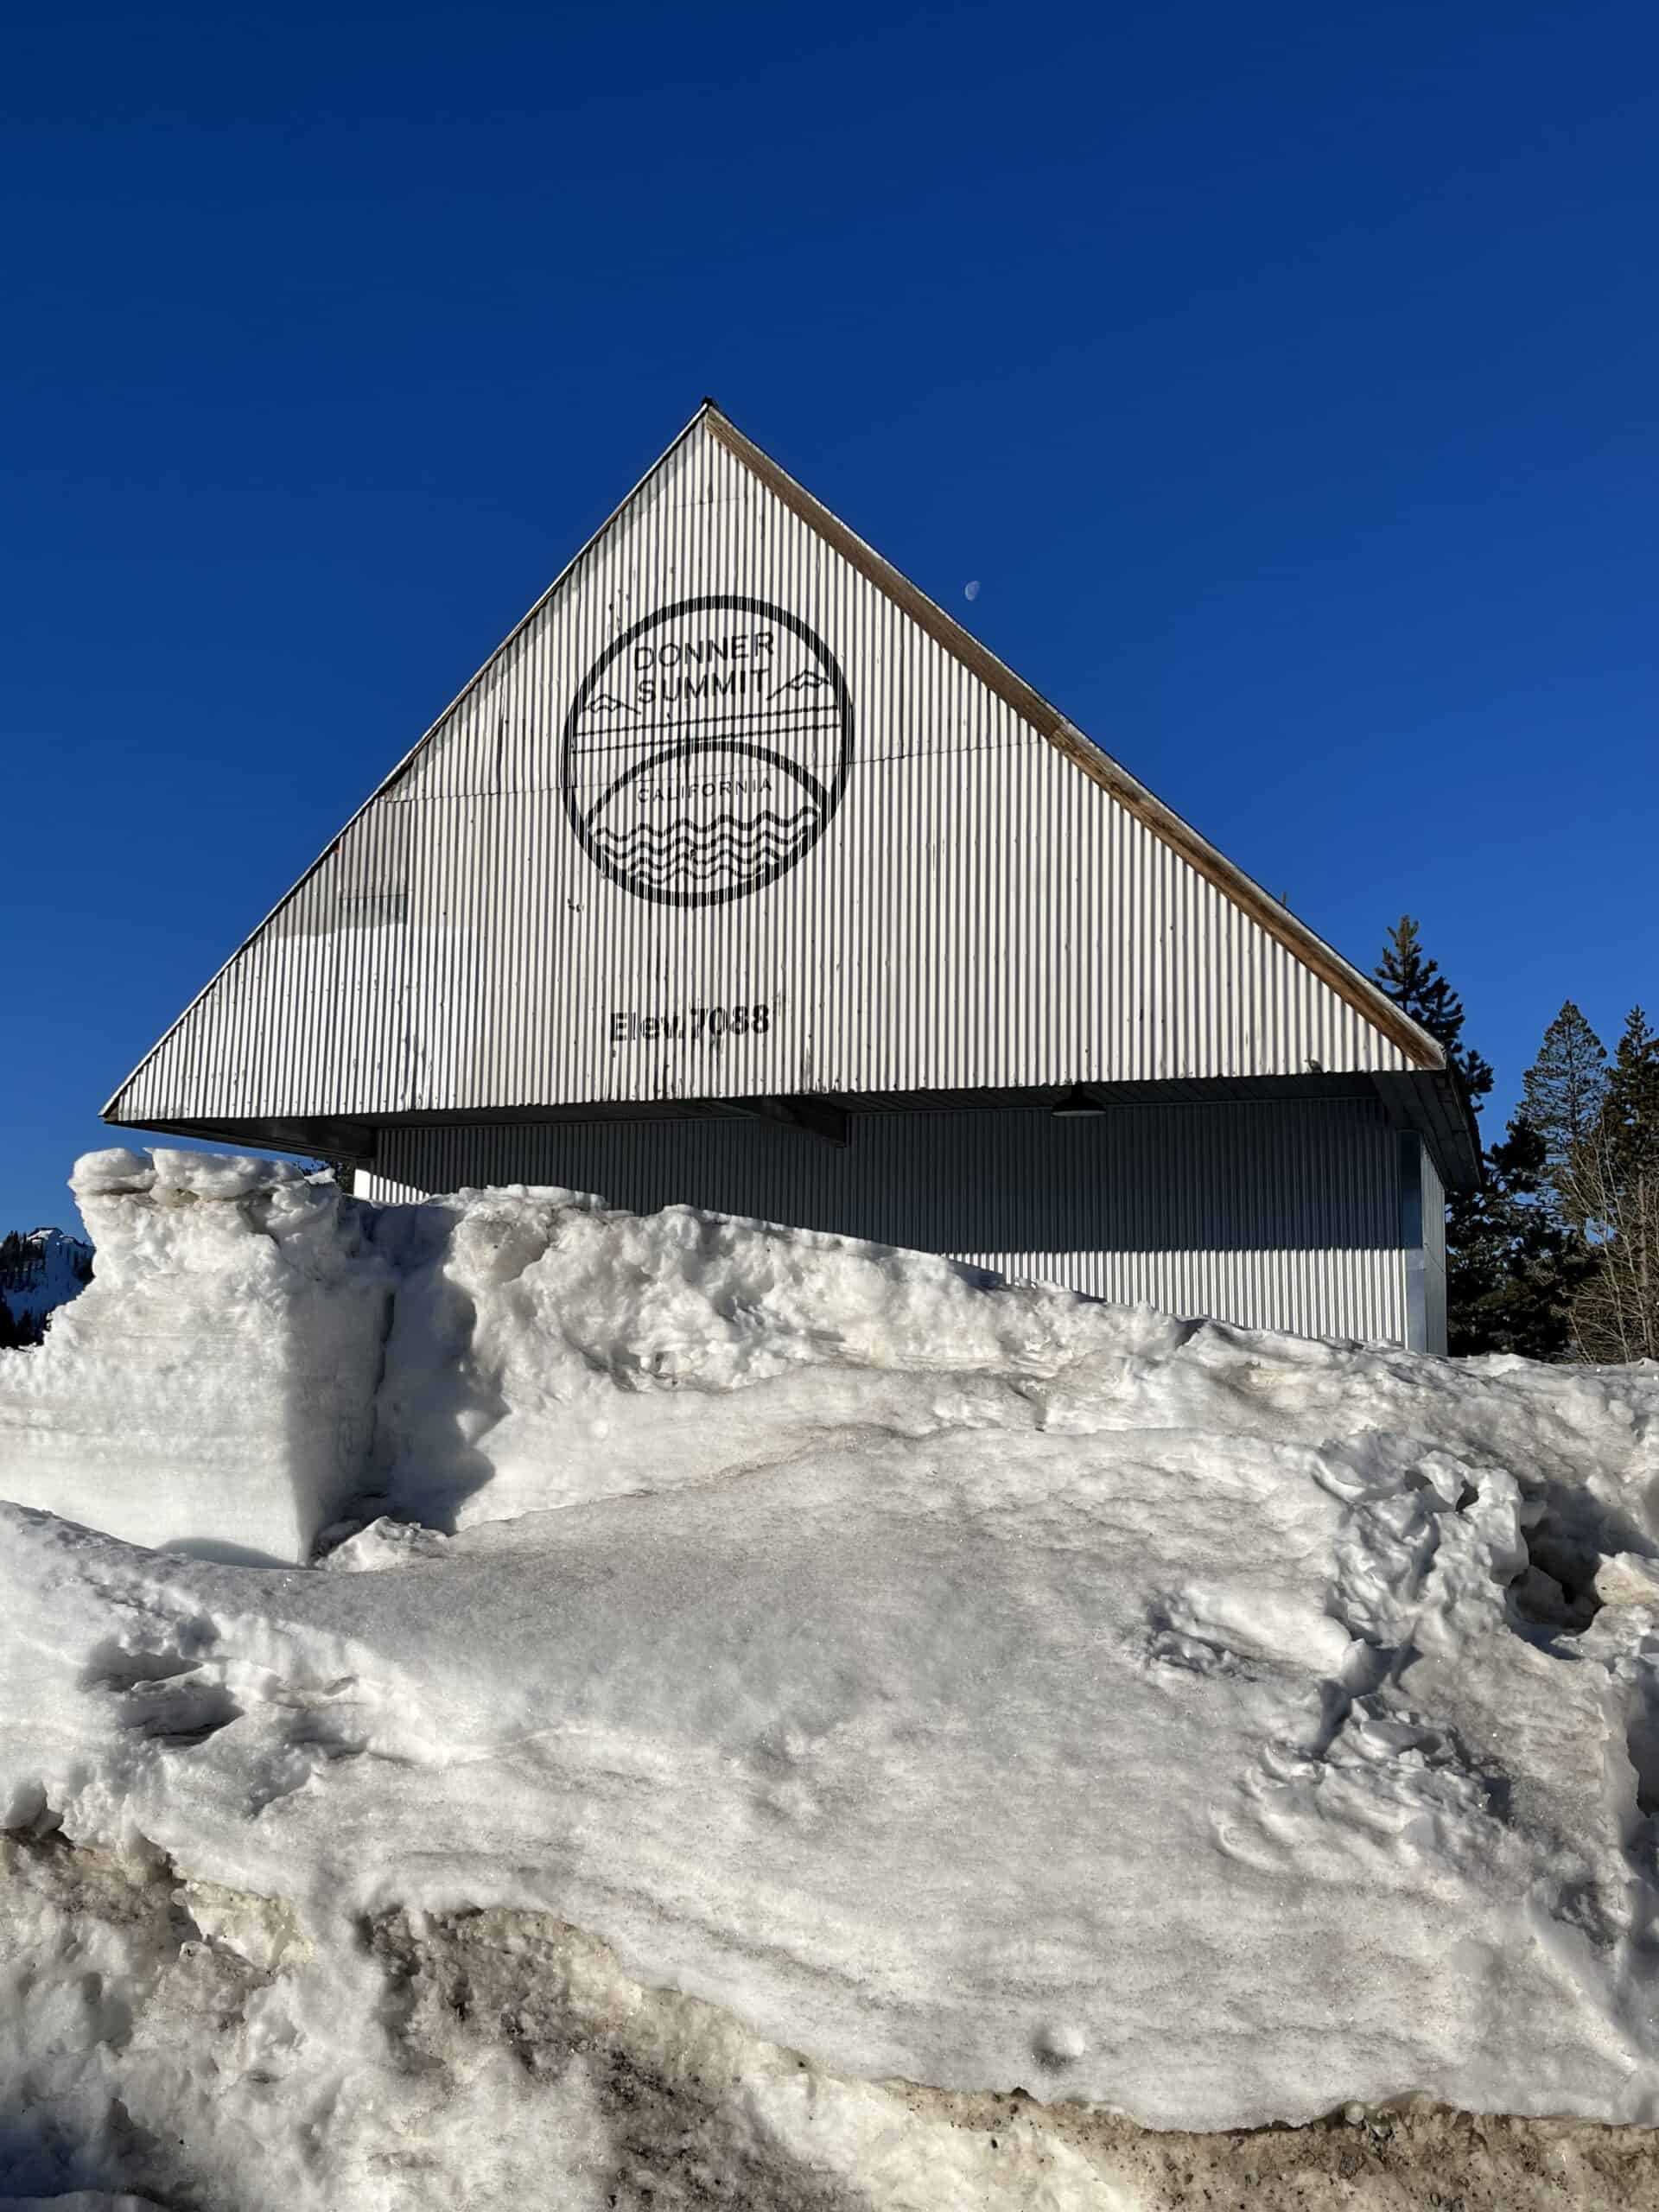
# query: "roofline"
1358,991
106,1112
1304,944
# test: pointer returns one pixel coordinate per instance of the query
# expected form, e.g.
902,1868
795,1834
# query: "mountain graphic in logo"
605,706
707,750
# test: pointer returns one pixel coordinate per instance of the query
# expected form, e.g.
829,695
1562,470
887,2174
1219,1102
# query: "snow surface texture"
213,1386
861,1730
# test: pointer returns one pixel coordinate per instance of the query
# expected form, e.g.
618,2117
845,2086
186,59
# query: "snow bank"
545,1349
862,1730
257,1351
1198,1776
212,1387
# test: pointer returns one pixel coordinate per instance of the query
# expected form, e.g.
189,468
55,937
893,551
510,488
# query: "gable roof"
655,548
1360,992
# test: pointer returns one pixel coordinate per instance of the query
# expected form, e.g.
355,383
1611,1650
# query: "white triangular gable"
736,812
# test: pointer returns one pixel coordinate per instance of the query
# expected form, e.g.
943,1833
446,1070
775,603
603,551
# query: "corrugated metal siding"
1271,1215
978,913
1434,1255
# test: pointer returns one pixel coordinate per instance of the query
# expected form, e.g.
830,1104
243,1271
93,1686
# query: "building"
742,875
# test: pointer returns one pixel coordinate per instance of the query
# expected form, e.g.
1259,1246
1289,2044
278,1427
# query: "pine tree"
1513,1269
1515,1266
1415,984
1561,1096
1613,1187
1486,1229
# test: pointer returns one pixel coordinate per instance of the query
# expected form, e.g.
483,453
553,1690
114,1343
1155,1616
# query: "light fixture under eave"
1076,1105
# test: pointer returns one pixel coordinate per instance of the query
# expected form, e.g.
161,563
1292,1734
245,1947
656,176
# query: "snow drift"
803,1716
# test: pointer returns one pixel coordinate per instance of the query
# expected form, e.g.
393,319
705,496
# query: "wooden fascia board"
1130,793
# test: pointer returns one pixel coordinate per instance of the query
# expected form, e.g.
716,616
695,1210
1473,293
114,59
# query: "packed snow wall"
212,1388
260,1358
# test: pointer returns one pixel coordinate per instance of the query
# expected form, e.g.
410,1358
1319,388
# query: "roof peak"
752,529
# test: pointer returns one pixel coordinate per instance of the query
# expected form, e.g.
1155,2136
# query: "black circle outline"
690,748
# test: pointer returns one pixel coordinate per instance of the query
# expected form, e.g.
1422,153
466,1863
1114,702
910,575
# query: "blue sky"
1286,377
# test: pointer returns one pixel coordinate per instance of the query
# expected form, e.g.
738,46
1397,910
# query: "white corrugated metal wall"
976,913
1273,1214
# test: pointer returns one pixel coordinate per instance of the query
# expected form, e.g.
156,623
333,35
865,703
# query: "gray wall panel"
1433,1255
1271,1215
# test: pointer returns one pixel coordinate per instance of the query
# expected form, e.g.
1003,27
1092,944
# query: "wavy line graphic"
728,848
650,832
730,813
662,841
702,873
766,824
702,846
739,862
691,867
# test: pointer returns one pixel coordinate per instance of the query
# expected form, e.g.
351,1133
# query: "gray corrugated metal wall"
1276,1215
1434,1255
977,913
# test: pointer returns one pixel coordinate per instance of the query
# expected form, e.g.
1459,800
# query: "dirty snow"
788,1720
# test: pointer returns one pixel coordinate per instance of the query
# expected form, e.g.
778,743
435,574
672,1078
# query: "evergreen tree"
1561,1096
1415,984
1513,1269
1509,1267
1612,1188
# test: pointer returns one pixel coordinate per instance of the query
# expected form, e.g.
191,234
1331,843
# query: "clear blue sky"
1288,377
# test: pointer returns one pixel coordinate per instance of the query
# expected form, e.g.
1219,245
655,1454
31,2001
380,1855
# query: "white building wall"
975,911
1273,1215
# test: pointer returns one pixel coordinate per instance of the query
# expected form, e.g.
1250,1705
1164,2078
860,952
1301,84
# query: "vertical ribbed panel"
1275,1216
977,913
1434,1255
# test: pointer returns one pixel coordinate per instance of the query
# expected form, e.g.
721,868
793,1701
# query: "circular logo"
706,751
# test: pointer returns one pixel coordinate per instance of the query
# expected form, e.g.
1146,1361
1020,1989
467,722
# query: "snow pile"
862,1730
545,1350
213,1386
41,1269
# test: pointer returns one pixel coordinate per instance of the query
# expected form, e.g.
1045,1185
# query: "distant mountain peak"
40,1269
